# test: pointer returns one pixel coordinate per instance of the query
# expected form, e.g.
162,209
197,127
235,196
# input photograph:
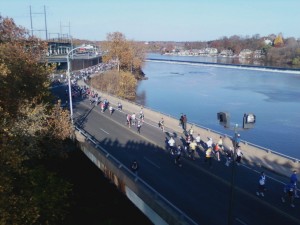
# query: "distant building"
268,42
211,51
246,53
258,54
226,53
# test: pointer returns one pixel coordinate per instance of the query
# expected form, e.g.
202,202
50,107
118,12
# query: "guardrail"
138,179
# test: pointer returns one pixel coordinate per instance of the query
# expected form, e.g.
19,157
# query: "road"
201,192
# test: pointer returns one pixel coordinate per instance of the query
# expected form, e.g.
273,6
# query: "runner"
135,167
139,124
178,156
128,120
161,124
171,144
111,110
288,194
261,185
193,146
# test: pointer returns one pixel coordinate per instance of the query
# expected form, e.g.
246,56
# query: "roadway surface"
201,192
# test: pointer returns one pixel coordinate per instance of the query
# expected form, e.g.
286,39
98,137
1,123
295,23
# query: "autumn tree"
122,84
129,55
278,42
31,131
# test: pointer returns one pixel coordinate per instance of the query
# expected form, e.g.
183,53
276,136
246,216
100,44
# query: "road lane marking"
152,162
104,131
240,221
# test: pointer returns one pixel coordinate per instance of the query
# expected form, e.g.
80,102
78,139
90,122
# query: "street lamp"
249,120
69,76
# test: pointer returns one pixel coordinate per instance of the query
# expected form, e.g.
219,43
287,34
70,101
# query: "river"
201,91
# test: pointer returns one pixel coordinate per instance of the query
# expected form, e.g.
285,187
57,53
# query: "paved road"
203,193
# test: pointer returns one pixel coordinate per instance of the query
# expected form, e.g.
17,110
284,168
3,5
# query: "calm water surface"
202,91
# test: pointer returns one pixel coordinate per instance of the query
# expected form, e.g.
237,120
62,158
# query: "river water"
201,91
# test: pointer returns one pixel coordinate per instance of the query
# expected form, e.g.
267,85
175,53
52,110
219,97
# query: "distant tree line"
277,50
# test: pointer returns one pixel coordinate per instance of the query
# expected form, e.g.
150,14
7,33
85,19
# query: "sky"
156,20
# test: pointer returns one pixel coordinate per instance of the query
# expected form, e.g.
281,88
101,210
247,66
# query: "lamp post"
69,77
249,120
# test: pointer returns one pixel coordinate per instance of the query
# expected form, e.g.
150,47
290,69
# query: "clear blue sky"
158,20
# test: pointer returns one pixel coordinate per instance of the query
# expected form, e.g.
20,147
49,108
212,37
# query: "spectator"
181,120
184,122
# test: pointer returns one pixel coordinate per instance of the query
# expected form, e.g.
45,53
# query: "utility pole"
45,20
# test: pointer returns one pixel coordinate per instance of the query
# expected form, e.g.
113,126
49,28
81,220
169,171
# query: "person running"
178,156
171,144
208,155
193,146
161,124
184,122
198,140
141,115
111,110
135,167
128,120
133,119
139,125
209,142
220,143
217,151
229,155
294,180
120,106
191,132
261,185
239,155
187,145
236,140
289,193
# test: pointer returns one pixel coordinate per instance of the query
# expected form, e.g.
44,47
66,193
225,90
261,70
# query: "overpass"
78,62
192,194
